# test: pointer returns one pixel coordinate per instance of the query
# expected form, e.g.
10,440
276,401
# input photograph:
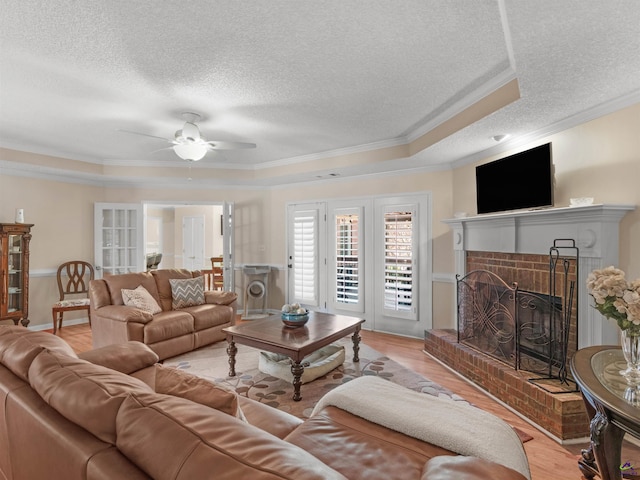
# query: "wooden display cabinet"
14,272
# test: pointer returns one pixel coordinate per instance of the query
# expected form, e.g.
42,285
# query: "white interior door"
118,238
193,243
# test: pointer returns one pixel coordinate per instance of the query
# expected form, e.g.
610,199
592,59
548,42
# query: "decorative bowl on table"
294,315
295,319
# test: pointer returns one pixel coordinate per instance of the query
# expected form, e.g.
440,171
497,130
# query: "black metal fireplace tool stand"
564,259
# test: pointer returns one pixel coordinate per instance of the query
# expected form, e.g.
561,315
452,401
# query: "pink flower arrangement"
615,298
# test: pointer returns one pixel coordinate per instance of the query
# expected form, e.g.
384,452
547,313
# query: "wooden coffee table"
271,335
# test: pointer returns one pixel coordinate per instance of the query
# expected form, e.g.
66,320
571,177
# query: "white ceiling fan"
189,145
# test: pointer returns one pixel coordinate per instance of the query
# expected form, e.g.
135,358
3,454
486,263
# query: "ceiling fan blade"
229,145
145,135
162,150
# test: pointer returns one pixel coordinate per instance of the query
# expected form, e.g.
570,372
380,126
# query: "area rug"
211,362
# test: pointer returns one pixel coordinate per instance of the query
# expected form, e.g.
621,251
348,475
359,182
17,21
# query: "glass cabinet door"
15,287
14,272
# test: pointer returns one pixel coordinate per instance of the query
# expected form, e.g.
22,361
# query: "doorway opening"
186,235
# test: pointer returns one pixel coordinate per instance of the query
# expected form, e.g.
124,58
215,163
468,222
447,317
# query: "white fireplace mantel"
594,228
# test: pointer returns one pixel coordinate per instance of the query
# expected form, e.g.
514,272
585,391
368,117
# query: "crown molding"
392,168
17,169
367,147
50,152
113,162
396,167
112,181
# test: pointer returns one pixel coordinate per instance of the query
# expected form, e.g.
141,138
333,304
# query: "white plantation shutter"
348,259
399,253
305,257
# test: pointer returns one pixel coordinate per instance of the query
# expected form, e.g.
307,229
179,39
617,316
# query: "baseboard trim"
49,326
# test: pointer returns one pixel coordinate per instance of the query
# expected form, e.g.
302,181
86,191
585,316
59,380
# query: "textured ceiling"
306,80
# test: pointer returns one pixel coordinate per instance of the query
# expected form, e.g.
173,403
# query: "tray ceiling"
307,81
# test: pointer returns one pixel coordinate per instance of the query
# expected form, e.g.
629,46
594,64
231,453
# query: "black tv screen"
523,180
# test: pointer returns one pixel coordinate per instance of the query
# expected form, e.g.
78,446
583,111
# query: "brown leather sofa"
99,417
169,332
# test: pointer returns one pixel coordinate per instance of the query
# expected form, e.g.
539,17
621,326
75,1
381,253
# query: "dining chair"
217,265
73,286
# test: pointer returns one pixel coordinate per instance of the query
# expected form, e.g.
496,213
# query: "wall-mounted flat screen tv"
523,180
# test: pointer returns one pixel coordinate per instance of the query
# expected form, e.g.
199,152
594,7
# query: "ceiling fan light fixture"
190,151
190,131
188,143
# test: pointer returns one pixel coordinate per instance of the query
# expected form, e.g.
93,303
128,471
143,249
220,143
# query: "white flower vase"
630,341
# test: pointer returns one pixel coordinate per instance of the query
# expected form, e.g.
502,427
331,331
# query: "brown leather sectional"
98,417
168,333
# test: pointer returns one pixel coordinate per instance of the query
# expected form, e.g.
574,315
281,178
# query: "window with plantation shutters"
305,257
398,261
348,259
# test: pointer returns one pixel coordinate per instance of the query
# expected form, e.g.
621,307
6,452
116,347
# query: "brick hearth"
562,415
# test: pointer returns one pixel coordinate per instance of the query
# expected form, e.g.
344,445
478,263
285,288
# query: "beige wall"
62,214
600,158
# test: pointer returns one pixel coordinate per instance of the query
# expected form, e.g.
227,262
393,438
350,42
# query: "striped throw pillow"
187,292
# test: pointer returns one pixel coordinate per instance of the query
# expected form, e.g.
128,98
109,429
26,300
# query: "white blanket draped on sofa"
456,426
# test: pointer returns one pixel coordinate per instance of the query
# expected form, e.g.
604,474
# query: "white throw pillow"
141,299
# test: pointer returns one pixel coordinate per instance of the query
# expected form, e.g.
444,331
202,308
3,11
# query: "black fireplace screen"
487,315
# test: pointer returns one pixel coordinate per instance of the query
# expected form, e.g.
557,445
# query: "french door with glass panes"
118,235
364,257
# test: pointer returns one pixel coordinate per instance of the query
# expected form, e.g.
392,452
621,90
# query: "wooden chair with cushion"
73,286
217,265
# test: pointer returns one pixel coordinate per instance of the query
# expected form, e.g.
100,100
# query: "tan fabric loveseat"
114,413
169,329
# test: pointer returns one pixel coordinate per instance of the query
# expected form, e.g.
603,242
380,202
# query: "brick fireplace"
516,246
538,283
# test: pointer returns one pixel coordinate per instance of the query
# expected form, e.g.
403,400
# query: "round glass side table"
612,405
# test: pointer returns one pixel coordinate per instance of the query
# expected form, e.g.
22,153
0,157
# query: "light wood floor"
548,459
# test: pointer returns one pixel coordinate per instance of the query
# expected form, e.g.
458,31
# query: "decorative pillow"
186,292
141,299
176,382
